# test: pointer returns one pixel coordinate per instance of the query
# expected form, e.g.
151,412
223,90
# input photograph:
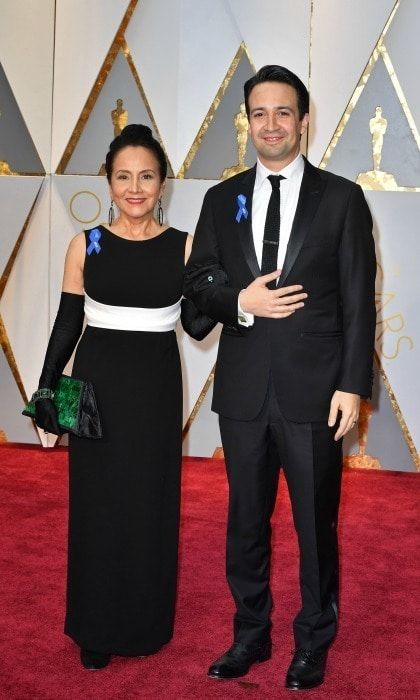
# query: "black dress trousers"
312,463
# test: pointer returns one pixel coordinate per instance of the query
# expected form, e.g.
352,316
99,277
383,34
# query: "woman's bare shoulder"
188,245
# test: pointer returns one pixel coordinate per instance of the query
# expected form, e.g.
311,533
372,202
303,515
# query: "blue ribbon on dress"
242,210
94,237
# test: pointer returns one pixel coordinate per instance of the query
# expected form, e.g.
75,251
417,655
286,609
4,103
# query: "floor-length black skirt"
125,493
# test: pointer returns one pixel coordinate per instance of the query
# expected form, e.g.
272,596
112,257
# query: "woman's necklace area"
144,236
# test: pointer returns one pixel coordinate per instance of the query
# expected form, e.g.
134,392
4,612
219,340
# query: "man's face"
274,123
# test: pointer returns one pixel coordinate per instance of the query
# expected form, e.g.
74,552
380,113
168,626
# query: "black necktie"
272,230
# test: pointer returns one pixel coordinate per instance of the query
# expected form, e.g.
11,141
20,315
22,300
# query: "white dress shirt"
289,194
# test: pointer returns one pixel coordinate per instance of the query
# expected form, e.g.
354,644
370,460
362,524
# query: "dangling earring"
160,212
111,213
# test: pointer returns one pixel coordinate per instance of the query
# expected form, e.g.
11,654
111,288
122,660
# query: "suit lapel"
244,227
310,195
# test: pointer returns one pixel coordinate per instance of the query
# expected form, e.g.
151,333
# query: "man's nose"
271,122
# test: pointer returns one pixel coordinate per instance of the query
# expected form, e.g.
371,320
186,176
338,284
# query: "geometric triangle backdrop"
17,150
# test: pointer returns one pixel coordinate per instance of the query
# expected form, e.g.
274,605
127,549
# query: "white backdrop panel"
83,35
26,52
197,359
344,35
184,199
12,423
17,195
183,70
275,32
87,197
24,304
397,216
203,436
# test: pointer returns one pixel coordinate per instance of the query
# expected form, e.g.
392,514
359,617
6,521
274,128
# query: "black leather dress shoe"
306,670
94,660
238,660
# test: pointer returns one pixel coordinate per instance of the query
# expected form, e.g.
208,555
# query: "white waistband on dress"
131,318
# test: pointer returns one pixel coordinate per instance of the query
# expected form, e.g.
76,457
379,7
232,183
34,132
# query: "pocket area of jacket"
231,330
320,334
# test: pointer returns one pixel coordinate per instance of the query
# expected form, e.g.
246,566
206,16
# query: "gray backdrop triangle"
16,146
92,146
385,441
400,154
218,149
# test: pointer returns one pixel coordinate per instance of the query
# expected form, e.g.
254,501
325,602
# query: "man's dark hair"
136,135
278,74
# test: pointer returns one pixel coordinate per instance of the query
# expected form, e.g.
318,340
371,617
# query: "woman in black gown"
125,487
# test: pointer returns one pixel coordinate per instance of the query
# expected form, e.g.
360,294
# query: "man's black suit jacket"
326,345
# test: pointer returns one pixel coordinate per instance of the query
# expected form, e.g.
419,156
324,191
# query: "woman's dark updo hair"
136,135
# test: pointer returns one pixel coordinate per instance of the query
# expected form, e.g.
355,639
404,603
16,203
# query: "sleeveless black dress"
125,487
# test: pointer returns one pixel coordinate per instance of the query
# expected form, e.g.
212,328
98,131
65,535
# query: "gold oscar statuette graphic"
377,179
5,168
361,460
3,436
119,118
241,125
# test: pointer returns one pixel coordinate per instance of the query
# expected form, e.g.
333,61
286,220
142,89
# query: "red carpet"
375,653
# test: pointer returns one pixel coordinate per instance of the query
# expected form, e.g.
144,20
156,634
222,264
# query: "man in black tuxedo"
295,356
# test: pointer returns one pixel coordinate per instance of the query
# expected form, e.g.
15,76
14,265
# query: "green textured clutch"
76,407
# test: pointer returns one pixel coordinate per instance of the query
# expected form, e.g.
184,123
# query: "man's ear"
304,124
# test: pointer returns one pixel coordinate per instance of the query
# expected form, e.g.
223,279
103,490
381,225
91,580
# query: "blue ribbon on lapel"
242,210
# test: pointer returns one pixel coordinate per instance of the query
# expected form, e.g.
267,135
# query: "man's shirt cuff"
244,318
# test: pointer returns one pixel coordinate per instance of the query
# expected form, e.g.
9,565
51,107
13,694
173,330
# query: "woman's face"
135,183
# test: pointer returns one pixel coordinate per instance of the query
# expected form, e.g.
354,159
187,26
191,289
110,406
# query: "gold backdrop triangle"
213,108
379,51
197,405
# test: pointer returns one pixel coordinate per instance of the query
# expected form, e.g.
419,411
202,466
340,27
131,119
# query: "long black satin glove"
66,332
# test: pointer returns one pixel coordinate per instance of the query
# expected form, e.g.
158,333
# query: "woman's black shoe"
94,660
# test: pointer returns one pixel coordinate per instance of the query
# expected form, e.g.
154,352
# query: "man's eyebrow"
257,109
